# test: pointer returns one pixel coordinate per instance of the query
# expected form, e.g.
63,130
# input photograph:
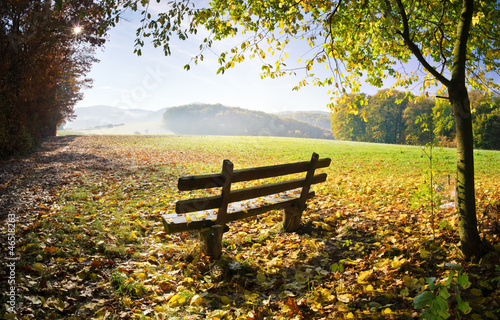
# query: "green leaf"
442,304
443,293
423,300
450,278
432,283
463,305
463,280
444,314
221,70
454,266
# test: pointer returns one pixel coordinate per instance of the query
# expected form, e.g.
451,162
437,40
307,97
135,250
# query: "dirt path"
27,183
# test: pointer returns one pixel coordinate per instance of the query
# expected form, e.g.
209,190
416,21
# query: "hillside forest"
203,119
396,117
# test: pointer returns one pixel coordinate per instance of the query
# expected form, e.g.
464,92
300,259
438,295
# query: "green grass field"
93,246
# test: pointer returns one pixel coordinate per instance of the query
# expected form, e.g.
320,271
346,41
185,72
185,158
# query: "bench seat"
197,220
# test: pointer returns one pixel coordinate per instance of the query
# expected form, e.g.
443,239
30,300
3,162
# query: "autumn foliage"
392,116
43,67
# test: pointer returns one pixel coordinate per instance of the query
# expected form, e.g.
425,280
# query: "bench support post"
211,239
291,219
293,215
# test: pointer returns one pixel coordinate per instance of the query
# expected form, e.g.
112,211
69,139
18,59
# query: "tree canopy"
390,122
412,43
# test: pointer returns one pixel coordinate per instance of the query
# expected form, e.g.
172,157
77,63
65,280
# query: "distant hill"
101,116
205,119
317,118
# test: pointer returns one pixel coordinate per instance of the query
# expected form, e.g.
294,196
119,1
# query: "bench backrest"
229,176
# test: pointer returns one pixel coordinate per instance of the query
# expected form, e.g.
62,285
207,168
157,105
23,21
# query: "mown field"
91,244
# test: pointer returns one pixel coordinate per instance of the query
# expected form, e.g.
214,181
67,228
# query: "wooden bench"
210,215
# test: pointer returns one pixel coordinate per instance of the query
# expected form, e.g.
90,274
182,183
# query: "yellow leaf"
39,267
126,302
197,300
396,263
225,300
141,275
201,216
424,253
363,275
177,300
159,309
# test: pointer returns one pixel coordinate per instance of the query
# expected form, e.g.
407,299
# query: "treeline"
202,119
397,118
43,66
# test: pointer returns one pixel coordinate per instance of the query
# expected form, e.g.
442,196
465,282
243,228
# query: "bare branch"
414,48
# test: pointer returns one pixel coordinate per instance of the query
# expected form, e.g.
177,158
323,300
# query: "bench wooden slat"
214,202
173,223
276,171
179,223
206,181
238,215
273,188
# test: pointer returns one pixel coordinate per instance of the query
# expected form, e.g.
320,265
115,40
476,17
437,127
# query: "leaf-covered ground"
89,241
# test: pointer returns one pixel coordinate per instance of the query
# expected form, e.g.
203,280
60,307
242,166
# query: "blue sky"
153,81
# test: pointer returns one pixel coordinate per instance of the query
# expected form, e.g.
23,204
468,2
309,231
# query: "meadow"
91,242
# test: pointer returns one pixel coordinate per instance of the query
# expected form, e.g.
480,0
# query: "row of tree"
399,118
45,53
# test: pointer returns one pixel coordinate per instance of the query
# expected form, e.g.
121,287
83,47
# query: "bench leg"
211,240
292,219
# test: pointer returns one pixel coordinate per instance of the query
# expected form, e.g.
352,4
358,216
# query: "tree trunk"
471,243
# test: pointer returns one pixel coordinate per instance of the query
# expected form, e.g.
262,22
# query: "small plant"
347,243
118,281
434,301
429,194
124,286
337,267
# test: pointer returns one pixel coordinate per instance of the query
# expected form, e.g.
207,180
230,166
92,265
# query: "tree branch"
414,48
460,50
